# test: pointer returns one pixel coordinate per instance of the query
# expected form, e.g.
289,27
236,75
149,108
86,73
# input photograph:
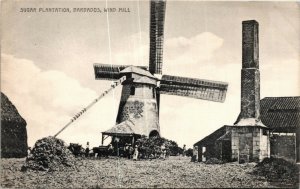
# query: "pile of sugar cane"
49,154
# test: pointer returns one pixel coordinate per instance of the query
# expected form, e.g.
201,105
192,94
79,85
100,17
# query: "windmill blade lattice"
157,18
194,88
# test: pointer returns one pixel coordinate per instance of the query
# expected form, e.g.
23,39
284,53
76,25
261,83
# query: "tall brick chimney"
250,77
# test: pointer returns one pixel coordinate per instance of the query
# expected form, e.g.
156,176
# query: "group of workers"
136,152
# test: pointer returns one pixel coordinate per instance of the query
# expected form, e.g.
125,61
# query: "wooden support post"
298,144
102,139
199,153
132,140
221,150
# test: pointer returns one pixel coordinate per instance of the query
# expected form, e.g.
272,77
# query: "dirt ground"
175,172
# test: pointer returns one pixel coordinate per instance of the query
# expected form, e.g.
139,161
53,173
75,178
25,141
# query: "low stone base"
236,143
249,143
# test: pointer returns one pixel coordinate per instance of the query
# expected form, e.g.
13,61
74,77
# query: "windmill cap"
133,69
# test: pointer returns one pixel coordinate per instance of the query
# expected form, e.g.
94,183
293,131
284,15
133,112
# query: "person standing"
28,150
126,149
110,150
130,152
195,154
87,149
184,150
136,153
163,151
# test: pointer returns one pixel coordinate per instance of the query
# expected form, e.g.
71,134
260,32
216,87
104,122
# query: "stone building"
248,138
282,117
264,127
236,143
13,131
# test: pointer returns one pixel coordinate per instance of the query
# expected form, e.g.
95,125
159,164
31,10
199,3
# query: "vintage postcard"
150,94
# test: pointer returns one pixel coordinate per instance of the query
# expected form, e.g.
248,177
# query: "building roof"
226,136
8,111
137,70
127,127
213,137
281,114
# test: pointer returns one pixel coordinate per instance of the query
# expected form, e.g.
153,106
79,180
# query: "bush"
76,149
151,147
278,170
213,161
189,152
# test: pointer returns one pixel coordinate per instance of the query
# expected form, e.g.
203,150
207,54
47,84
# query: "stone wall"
250,98
250,48
142,106
249,143
264,144
283,146
141,91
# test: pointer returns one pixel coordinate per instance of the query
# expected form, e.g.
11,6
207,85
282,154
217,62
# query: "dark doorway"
132,90
226,150
153,133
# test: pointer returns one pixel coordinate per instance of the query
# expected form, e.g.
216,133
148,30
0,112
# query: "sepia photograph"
150,94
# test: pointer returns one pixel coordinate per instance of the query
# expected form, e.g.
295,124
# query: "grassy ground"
176,172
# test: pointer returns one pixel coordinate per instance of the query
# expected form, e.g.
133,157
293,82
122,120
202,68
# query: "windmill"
138,111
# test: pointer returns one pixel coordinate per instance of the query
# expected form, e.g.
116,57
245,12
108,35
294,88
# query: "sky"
47,61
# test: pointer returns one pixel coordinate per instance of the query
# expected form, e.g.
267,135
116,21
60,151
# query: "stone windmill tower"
139,105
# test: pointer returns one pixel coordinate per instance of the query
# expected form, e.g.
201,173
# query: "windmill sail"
110,72
194,88
157,18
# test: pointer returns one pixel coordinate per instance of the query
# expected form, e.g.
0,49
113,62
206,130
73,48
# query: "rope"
109,44
140,32
91,104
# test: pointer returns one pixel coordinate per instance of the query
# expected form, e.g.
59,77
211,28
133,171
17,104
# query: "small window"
132,90
265,132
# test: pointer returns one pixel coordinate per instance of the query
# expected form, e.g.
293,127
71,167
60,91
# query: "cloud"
280,77
178,51
190,54
200,47
49,99
133,51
